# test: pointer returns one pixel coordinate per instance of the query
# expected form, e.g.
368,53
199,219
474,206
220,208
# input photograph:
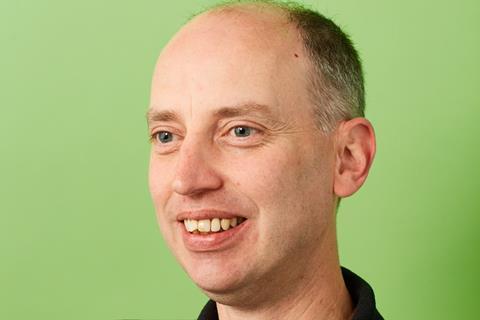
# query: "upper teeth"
213,225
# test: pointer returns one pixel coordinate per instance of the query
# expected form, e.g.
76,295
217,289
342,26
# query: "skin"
285,177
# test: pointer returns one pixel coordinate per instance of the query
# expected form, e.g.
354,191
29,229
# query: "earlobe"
354,149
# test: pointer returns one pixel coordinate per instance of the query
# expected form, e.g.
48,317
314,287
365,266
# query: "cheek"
159,190
157,179
280,175
290,185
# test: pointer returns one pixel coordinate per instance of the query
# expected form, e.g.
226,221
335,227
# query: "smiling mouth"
209,226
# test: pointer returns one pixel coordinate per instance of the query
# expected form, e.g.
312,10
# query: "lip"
214,241
206,214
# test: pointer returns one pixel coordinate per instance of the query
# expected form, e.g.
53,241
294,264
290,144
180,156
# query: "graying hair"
337,90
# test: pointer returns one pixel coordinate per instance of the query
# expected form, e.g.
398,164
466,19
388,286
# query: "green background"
78,234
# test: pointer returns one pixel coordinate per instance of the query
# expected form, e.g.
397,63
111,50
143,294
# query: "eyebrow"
243,109
161,116
223,112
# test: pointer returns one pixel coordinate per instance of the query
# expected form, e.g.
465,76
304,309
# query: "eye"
164,136
242,131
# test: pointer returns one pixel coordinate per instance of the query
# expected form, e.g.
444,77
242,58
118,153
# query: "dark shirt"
360,291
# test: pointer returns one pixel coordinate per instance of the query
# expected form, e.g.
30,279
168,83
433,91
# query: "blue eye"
164,136
242,131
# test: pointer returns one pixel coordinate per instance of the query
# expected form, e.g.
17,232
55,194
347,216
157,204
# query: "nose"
194,171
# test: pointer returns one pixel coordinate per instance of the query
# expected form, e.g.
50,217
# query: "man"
257,130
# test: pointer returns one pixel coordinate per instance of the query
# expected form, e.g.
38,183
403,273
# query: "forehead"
231,58
251,27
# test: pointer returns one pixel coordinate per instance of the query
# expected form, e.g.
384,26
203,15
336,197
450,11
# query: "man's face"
234,136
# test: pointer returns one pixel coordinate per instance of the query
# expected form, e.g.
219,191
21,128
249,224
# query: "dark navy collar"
360,291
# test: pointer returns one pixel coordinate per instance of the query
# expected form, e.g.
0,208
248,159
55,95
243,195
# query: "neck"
318,292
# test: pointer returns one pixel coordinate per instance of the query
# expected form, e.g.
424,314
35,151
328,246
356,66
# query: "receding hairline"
277,13
271,13
239,6
281,9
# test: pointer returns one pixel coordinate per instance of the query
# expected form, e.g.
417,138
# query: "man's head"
247,122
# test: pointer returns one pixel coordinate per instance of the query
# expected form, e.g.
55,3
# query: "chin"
214,275
231,291
213,279
224,291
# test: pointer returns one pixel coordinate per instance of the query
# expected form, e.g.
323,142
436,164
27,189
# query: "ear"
354,152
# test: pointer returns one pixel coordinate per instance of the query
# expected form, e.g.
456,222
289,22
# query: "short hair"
336,81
